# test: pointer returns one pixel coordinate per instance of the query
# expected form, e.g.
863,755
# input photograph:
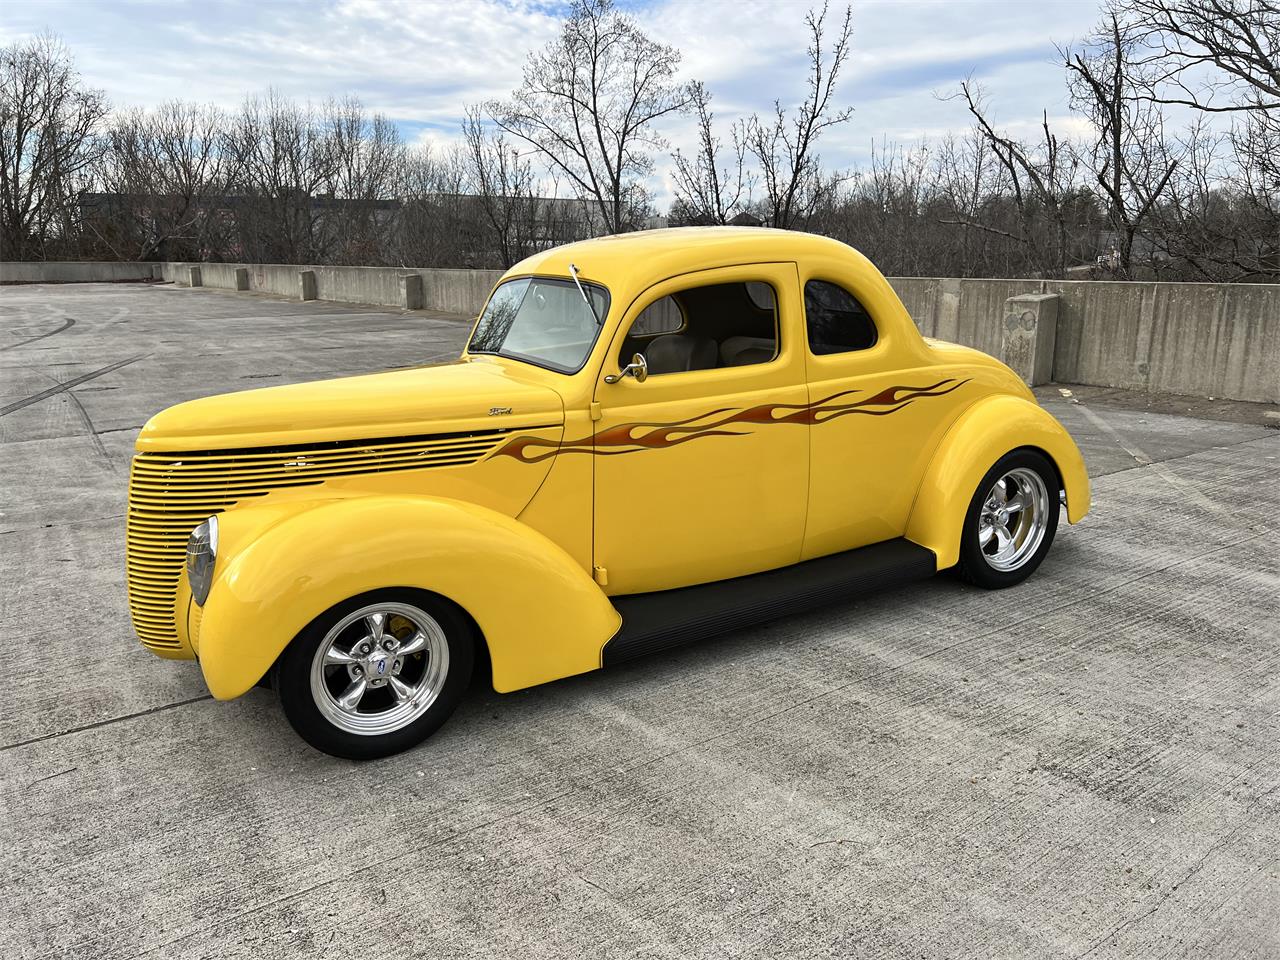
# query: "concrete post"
193,275
411,291
1028,334
946,323
307,284
242,278
157,271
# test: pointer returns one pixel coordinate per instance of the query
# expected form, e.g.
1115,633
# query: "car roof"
631,262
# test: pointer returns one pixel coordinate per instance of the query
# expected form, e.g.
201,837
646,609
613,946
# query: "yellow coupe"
650,438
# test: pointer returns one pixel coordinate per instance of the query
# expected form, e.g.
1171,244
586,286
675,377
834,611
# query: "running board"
659,621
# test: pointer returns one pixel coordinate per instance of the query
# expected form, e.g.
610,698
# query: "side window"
661,316
837,322
704,328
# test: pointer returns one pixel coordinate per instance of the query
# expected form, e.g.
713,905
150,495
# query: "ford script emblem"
499,411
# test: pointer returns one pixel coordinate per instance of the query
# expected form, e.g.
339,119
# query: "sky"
422,61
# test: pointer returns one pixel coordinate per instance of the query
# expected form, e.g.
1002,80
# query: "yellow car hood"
446,398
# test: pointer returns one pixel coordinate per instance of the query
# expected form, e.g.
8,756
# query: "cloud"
421,61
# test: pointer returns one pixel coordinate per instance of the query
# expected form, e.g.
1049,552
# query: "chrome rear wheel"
1013,519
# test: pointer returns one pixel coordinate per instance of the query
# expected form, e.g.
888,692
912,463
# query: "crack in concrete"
1213,848
1181,456
103,723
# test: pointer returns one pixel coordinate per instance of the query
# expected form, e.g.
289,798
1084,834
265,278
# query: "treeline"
276,182
575,148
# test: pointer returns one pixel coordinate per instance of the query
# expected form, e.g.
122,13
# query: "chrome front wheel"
379,668
378,673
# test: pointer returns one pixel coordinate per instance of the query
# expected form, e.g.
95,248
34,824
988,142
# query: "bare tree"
588,105
1041,179
284,159
164,174
505,188
1128,154
1199,50
48,142
790,170
367,156
709,189
1221,57
438,225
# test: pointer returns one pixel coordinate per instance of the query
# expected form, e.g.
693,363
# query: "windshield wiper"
573,269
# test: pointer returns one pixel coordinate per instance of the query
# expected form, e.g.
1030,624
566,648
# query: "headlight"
202,552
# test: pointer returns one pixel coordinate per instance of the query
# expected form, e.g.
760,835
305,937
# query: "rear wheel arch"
988,430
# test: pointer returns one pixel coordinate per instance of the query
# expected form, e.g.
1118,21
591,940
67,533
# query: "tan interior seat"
741,351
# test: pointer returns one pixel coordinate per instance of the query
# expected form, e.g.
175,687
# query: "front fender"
541,615
983,434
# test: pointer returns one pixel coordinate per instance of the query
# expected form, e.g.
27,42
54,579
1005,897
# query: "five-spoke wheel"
376,674
379,668
1011,520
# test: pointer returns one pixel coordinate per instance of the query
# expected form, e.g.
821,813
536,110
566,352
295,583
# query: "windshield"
542,321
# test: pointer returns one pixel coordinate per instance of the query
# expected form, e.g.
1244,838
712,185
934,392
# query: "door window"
704,328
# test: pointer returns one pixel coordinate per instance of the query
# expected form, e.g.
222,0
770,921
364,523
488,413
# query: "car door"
699,473
878,413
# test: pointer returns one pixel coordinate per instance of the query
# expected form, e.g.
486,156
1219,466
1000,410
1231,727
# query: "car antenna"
573,269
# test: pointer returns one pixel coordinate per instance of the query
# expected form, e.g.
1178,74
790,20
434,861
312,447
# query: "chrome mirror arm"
637,368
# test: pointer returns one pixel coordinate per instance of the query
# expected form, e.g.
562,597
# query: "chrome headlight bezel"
202,556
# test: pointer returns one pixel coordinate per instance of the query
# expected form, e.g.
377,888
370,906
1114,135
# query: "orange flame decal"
634,437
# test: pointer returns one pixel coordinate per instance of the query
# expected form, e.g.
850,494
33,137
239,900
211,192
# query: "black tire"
293,675
975,567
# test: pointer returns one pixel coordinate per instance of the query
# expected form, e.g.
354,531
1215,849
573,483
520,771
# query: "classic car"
650,438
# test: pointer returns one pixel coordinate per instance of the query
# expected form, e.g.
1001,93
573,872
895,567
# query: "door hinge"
600,575
595,410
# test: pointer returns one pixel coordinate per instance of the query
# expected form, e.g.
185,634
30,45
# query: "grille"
170,493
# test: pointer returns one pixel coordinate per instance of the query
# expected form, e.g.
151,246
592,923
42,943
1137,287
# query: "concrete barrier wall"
1220,340
1203,339
449,291
52,271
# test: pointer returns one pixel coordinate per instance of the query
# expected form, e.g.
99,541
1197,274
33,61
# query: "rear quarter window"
836,321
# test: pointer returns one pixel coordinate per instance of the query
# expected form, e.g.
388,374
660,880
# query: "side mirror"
637,368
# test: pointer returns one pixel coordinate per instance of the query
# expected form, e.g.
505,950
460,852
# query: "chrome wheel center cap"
377,667
1002,517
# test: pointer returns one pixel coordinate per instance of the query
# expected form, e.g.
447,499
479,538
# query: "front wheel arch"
541,615
483,662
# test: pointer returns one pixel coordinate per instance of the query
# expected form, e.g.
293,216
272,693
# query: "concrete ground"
1084,766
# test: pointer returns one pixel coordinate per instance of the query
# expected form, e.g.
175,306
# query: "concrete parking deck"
1085,765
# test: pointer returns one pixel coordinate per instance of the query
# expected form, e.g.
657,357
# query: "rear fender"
541,615
983,434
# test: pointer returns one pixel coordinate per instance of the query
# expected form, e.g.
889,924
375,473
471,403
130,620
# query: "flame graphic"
634,437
